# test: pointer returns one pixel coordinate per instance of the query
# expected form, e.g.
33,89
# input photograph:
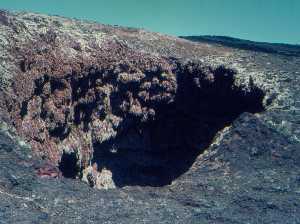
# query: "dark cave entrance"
156,153
68,165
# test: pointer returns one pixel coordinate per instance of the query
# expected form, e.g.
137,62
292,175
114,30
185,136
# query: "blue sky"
259,20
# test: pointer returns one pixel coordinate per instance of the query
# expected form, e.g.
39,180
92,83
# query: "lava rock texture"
178,131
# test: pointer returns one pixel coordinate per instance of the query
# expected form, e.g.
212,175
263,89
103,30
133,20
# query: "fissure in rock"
142,128
159,151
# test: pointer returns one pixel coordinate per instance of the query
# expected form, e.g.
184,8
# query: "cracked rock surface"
175,131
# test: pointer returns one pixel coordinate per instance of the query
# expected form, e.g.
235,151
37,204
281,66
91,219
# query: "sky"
276,21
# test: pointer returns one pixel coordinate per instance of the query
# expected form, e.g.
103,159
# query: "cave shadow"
68,165
156,153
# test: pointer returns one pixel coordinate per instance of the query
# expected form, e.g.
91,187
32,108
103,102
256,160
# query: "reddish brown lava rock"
48,171
59,102
65,101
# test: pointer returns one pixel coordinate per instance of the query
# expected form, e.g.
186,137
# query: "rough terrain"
180,131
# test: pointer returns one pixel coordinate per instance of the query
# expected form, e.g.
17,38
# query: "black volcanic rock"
182,132
280,49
